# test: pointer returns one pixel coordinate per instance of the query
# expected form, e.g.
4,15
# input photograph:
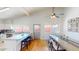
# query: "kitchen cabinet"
10,45
64,44
13,43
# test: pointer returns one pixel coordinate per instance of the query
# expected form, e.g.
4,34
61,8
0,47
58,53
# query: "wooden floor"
36,45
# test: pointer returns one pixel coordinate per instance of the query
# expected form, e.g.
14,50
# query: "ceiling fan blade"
61,14
57,16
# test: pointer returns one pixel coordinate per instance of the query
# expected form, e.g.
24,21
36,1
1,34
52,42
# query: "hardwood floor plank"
37,45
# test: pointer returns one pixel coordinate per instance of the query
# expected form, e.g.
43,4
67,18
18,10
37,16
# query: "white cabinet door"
10,45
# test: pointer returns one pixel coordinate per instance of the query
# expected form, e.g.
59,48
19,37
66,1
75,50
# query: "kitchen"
19,25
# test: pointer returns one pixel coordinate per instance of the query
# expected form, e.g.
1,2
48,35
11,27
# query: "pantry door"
36,31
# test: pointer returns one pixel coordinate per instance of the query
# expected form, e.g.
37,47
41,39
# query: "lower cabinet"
12,45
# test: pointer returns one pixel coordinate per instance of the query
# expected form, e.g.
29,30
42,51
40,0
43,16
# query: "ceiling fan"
54,15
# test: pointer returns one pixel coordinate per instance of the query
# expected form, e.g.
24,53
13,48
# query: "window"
20,28
55,29
47,28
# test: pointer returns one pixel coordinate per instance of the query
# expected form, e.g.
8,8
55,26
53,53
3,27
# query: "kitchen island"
14,43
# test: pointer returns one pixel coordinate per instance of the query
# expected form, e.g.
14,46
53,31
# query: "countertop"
67,44
16,36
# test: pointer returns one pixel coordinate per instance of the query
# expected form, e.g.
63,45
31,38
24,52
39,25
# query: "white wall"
42,17
71,13
37,18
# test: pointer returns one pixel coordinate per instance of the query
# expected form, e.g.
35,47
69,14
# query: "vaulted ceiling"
20,11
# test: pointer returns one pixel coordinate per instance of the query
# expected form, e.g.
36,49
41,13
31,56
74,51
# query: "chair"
25,42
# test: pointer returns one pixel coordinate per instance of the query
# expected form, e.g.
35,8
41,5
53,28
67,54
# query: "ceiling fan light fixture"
53,16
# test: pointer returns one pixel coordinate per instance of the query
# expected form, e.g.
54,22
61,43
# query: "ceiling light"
53,16
4,9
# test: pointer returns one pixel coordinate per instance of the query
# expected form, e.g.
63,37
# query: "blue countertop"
19,36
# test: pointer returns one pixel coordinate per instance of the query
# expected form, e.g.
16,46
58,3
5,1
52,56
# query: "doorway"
36,31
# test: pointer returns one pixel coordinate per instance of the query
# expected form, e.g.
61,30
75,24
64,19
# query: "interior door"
36,30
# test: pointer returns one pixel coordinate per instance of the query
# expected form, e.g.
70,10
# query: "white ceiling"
19,11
